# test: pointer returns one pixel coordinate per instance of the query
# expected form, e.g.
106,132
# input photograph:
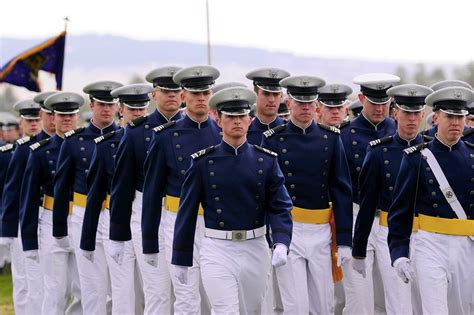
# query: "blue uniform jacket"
257,128
99,180
416,189
239,189
377,180
356,138
73,166
316,172
165,167
6,153
10,216
129,176
39,175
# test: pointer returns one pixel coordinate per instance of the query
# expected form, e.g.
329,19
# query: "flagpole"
208,34
66,21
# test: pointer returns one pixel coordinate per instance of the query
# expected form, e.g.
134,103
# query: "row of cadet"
202,208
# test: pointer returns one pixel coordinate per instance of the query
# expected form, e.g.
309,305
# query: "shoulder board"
202,152
344,124
74,132
469,144
415,148
375,143
39,144
7,147
468,132
137,122
164,126
330,128
23,140
269,152
427,138
274,131
104,137
423,132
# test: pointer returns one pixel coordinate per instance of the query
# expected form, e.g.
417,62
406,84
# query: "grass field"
6,298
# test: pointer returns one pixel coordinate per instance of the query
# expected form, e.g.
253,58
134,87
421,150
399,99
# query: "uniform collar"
408,143
233,150
438,144
300,130
103,131
188,121
160,118
57,138
273,123
367,123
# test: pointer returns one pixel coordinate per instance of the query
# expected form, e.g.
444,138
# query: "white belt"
235,235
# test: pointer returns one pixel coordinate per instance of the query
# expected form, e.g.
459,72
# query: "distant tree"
7,99
136,78
437,75
401,72
421,75
466,73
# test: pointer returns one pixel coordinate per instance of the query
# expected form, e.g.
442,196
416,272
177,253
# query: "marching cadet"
10,128
376,180
234,253
127,186
266,86
70,179
371,124
311,155
332,105
435,182
283,111
470,116
168,159
56,257
23,271
96,223
355,108
431,132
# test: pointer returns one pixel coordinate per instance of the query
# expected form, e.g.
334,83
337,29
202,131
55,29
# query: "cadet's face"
234,126
268,102
167,100
450,127
302,113
65,123
30,126
373,112
47,121
11,134
331,116
103,113
197,103
408,122
470,121
129,114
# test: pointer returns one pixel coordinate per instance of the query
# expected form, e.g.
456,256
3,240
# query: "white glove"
358,264
280,255
404,269
62,242
344,254
116,250
88,254
152,259
181,273
32,254
6,241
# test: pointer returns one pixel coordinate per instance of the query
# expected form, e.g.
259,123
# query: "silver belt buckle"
239,235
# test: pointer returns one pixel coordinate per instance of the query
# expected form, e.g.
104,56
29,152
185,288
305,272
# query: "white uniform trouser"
121,276
60,273
415,286
445,272
359,291
156,281
19,277
397,293
190,298
235,274
93,276
305,282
